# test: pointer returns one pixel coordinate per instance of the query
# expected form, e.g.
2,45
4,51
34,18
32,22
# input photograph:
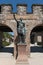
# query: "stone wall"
21,9
6,9
37,9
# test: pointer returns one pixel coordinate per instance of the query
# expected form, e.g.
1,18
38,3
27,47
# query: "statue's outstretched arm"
15,18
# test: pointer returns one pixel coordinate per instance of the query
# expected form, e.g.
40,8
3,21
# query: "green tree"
6,35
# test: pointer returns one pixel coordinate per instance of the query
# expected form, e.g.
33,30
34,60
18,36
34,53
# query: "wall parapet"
6,8
37,9
21,9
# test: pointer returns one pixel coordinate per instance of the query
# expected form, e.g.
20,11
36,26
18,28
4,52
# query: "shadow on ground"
36,49
7,50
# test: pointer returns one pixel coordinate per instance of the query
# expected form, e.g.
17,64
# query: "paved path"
7,58
36,57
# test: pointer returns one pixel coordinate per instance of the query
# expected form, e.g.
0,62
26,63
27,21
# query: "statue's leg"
23,38
20,39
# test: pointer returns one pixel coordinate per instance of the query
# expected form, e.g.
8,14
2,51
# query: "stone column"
28,38
15,46
15,51
28,44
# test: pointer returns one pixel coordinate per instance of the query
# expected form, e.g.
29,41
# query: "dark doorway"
36,37
37,31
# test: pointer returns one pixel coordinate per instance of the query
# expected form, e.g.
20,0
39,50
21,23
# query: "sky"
15,2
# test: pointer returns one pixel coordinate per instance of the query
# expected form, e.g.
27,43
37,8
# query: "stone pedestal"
22,58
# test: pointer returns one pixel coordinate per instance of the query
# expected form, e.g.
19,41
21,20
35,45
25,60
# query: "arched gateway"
30,21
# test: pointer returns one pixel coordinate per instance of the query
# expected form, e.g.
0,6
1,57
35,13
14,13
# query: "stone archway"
9,26
38,37
30,25
4,29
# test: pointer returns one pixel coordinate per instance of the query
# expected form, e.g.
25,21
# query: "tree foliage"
6,35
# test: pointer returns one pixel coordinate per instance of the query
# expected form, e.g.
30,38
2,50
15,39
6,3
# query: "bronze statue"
21,31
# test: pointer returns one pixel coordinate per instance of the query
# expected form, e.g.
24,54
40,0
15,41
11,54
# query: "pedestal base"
22,63
22,58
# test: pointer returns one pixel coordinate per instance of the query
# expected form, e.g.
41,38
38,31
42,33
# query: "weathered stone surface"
37,10
27,16
6,16
21,9
6,9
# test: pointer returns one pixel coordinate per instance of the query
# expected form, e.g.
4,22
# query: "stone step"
22,63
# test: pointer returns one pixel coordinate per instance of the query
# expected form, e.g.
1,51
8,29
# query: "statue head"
20,19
